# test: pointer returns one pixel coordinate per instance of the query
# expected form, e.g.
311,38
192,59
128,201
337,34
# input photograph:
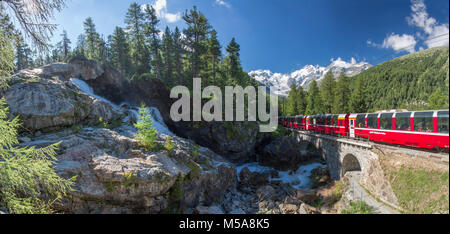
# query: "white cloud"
431,33
399,43
436,34
160,7
223,3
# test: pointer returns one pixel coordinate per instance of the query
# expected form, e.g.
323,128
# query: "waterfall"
158,121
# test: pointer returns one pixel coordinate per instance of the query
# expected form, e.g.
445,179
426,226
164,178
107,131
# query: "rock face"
53,103
285,153
114,175
235,141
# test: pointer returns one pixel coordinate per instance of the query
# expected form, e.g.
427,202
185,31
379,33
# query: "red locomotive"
422,129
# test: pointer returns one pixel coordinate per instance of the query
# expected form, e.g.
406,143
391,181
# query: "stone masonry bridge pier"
346,155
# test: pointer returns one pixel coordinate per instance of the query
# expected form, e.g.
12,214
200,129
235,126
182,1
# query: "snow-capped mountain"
307,74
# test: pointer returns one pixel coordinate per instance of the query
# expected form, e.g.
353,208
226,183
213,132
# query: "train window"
442,121
372,121
329,120
386,121
423,121
361,121
403,121
335,120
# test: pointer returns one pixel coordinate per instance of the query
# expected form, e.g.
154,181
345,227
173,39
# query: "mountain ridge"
307,74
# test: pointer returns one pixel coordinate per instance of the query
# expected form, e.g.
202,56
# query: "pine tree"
358,100
234,61
215,51
119,51
301,100
314,103
139,53
81,46
292,101
92,39
438,100
21,59
168,57
196,34
327,90
178,55
151,32
64,45
341,103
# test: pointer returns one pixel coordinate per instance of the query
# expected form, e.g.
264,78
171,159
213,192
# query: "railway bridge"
345,155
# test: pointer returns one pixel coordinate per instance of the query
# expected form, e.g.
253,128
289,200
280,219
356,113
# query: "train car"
343,127
423,129
280,120
308,123
334,123
328,124
301,122
320,126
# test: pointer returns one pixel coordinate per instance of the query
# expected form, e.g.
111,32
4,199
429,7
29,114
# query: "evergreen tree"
92,39
81,46
358,101
168,57
196,34
292,101
341,100
438,100
301,100
327,90
102,50
178,55
152,36
119,51
139,53
314,102
64,45
234,63
215,51
21,59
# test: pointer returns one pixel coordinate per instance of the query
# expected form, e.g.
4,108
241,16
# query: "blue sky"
285,35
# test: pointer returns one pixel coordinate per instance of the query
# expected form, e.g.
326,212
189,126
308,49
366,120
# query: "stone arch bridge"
343,155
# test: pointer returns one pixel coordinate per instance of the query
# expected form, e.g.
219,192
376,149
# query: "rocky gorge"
213,167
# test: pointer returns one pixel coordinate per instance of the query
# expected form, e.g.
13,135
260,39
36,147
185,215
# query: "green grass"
421,191
339,191
358,207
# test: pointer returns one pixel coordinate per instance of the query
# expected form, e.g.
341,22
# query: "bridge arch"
350,163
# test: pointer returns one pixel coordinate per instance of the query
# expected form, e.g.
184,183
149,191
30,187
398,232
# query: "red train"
422,129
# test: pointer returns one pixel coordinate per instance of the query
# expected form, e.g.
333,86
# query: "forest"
417,81
143,50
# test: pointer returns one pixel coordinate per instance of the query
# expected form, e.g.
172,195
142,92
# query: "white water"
299,179
158,122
